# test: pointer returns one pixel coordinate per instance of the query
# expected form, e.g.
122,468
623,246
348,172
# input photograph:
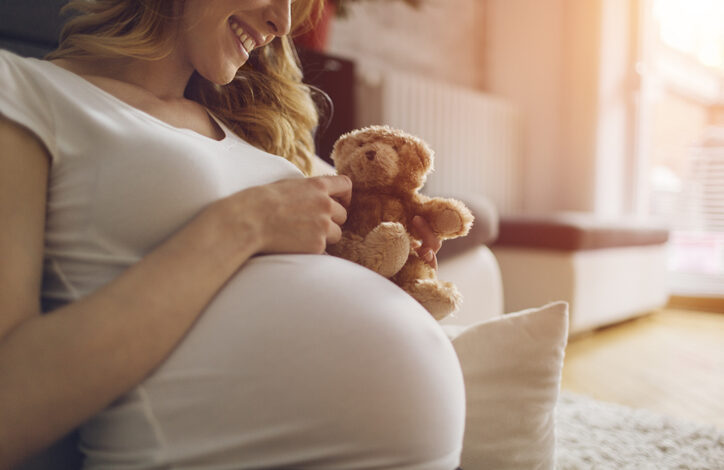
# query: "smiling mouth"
244,38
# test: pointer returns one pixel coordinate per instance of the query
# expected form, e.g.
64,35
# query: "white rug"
595,435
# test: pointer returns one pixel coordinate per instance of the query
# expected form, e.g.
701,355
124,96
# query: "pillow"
512,371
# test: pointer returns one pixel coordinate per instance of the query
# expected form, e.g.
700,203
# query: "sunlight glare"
694,27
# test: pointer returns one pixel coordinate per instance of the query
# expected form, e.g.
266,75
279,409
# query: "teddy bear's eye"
361,144
396,147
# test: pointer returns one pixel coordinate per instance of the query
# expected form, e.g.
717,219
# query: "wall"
567,64
441,40
580,104
522,63
615,156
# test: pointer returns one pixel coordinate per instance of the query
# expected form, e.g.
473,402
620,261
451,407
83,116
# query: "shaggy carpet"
595,435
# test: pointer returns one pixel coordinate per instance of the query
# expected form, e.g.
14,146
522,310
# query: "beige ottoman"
607,271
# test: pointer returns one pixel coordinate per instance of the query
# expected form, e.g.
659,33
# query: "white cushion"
512,371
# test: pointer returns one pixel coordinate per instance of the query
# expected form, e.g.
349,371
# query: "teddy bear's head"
380,156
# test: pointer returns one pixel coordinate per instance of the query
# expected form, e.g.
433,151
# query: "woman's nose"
279,17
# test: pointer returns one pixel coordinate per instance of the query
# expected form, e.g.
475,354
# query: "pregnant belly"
279,300
296,351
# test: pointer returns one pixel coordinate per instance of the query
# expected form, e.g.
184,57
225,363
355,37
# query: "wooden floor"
670,361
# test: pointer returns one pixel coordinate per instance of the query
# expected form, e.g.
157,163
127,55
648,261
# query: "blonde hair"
266,103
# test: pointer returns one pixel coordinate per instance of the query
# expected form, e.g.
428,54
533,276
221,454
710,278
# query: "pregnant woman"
156,205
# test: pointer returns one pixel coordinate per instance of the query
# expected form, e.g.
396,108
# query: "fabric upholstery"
576,231
30,27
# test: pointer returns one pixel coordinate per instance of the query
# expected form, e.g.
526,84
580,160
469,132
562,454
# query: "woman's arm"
58,370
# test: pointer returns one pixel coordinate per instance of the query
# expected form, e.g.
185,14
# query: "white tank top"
121,180
324,376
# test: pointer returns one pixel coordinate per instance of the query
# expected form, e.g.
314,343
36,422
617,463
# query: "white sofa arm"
476,274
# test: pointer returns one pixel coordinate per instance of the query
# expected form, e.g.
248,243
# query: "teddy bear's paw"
447,221
391,245
450,218
453,221
439,298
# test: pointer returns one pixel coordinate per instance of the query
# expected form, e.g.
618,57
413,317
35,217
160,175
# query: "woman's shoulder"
12,63
7,56
37,75
26,96
21,75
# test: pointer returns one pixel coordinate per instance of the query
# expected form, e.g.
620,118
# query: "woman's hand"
293,216
431,244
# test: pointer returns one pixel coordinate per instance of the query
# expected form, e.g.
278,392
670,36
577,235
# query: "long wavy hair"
266,104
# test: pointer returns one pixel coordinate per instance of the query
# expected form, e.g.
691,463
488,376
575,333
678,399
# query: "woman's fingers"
339,187
430,241
334,234
339,190
431,244
297,215
339,213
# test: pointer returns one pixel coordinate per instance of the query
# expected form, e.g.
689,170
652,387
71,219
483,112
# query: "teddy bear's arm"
448,218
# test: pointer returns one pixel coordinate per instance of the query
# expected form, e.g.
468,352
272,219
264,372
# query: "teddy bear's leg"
348,247
438,297
420,281
384,250
388,247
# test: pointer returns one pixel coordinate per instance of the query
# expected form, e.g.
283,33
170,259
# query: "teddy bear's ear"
355,138
424,153
339,148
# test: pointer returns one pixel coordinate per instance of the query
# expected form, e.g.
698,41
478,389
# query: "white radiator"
475,136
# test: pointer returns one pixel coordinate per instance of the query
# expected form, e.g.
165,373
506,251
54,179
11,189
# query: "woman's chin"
223,76
226,78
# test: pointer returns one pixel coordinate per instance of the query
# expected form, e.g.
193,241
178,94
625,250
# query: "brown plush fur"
387,168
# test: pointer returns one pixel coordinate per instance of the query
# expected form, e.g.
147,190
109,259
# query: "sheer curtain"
682,132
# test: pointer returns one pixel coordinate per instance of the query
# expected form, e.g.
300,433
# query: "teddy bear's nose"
370,154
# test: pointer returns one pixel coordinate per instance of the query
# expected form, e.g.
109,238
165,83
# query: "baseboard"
703,304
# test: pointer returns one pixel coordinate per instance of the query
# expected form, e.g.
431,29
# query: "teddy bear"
388,167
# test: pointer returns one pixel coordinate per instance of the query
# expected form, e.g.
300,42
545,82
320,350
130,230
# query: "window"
681,136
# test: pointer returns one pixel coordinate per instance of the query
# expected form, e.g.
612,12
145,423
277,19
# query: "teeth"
246,41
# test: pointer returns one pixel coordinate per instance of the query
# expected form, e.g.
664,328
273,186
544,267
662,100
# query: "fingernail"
428,255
